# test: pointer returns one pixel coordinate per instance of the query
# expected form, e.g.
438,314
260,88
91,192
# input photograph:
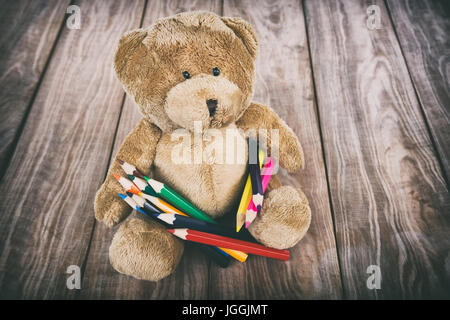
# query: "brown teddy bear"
192,68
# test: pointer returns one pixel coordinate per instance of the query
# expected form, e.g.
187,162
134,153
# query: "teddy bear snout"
213,101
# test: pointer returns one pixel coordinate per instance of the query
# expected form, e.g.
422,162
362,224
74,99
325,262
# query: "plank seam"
422,112
122,104
330,201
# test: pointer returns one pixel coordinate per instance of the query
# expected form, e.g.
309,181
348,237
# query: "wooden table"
370,106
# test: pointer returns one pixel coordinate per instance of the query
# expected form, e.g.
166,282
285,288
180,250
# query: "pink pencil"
266,174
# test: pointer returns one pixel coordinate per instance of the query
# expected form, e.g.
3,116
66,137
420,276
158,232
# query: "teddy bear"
195,69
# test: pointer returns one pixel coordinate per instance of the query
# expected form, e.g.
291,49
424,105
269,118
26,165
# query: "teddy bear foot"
145,250
284,218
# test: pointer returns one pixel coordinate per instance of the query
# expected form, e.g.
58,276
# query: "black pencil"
257,188
219,257
177,221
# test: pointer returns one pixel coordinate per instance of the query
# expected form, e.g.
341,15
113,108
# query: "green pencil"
178,201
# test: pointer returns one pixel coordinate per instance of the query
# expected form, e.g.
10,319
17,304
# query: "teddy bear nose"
212,106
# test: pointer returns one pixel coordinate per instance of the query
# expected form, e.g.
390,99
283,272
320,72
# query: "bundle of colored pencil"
142,196
158,201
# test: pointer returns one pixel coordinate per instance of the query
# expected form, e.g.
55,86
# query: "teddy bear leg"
145,250
284,218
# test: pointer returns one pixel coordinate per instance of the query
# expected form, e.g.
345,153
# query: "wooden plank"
48,190
390,201
284,83
190,280
28,32
422,28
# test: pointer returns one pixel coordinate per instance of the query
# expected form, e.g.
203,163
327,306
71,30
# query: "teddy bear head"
191,67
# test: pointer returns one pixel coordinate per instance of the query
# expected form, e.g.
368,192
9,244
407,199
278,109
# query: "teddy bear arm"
290,151
139,148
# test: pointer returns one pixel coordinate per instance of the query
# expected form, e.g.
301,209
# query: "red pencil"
230,243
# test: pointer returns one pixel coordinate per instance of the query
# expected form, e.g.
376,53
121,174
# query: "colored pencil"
167,193
265,178
255,178
178,221
144,205
220,241
218,256
127,184
161,204
143,185
246,196
225,252
130,169
178,201
236,254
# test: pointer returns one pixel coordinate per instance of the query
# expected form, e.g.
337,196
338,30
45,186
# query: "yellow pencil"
238,255
246,196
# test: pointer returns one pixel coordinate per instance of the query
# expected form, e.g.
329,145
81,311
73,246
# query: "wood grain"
389,196
48,190
284,83
28,32
422,28
190,280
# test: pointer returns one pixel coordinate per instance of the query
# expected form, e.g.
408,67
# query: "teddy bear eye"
216,71
186,74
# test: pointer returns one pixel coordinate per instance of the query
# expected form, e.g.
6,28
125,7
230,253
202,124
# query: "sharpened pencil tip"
138,174
130,194
131,177
122,196
141,211
116,176
120,161
171,230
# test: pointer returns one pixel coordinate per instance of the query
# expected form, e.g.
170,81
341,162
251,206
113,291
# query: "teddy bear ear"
129,50
245,32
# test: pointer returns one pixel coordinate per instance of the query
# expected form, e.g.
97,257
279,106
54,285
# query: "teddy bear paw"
109,208
145,250
284,219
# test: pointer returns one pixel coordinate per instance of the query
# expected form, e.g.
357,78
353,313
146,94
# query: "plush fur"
139,241
150,64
